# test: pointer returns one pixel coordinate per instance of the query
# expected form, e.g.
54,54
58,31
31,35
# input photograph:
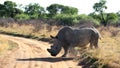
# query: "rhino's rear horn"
53,37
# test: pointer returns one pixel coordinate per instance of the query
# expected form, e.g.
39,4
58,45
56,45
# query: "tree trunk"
103,21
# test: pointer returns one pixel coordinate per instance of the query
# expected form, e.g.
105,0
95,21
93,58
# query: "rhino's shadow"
46,59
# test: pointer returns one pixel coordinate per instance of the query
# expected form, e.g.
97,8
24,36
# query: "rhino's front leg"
65,51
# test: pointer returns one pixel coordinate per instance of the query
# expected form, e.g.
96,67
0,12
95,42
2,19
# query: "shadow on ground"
46,59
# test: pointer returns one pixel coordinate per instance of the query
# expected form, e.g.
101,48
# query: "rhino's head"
55,48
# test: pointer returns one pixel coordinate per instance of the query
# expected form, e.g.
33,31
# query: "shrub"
87,20
66,19
22,16
71,20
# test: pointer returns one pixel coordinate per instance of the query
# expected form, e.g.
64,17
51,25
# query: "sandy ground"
32,54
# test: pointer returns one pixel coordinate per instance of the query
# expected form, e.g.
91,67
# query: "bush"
35,16
71,20
22,16
66,19
112,18
83,19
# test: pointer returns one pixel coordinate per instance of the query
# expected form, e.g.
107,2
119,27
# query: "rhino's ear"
53,37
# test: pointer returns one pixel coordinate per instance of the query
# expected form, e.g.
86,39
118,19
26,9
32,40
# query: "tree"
8,9
2,10
34,10
100,7
54,9
95,16
61,9
118,13
69,10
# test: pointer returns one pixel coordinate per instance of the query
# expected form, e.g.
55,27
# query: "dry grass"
44,32
109,46
3,45
108,53
15,28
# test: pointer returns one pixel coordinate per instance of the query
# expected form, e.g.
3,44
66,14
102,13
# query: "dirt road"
32,54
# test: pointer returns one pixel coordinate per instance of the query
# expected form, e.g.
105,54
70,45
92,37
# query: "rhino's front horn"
51,52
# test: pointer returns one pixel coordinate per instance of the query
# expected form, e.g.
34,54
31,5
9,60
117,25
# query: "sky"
84,6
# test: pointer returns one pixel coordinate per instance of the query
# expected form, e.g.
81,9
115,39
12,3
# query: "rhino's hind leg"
96,44
91,45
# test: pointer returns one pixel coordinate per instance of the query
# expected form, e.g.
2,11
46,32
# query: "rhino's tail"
97,32
100,36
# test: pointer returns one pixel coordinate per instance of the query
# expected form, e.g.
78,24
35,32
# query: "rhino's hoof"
53,54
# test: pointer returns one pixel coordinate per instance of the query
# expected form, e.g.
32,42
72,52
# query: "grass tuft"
6,45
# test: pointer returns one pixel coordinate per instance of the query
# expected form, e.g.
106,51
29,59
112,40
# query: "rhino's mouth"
52,52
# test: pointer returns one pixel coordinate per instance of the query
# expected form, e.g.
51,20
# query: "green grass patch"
6,45
12,45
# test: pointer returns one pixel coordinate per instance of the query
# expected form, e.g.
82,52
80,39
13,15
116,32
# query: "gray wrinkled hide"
68,37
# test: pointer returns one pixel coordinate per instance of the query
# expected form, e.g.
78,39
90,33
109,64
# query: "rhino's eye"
51,46
56,48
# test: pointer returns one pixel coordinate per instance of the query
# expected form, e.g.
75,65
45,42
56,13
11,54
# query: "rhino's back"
82,36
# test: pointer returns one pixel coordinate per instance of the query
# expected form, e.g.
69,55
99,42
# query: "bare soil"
32,54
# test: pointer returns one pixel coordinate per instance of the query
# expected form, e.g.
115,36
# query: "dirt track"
32,54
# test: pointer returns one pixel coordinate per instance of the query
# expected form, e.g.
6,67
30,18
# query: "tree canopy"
100,7
66,15
61,9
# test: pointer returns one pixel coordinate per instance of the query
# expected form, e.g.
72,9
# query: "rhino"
69,37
